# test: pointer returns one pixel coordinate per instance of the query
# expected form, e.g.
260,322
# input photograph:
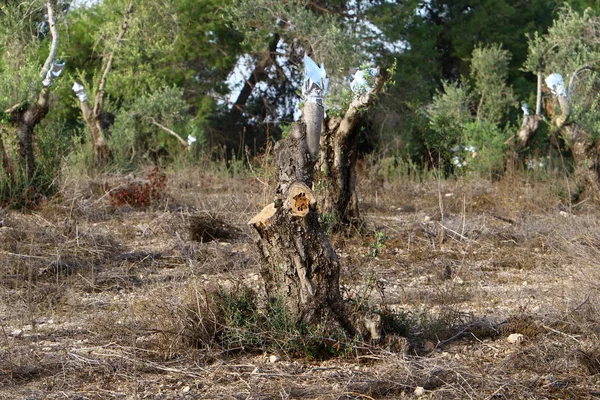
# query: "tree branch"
164,128
538,99
347,123
576,73
54,44
99,103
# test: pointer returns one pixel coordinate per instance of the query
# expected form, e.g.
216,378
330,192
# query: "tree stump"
299,265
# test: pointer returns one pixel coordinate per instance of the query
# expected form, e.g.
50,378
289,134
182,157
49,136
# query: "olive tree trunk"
337,169
584,147
519,142
26,116
299,265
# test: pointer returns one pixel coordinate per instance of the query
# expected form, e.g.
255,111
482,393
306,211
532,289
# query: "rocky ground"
499,282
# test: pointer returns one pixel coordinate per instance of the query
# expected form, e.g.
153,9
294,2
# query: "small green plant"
378,244
329,221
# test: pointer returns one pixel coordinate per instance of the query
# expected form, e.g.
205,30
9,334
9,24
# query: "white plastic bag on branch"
53,73
360,83
316,82
556,84
80,92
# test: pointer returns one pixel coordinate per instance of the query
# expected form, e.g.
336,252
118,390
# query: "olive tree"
25,84
568,56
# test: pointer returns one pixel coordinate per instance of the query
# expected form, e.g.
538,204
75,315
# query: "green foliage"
246,327
466,121
134,132
16,190
377,244
489,72
296,23
488,140
449,112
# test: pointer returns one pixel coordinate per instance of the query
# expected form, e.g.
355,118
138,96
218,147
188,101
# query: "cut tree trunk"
299,266
337,177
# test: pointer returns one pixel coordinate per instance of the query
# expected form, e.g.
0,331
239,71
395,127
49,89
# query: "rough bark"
338,161
101,150
26,120
7,162
299,266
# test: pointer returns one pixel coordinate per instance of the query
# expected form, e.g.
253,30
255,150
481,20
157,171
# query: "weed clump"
140,193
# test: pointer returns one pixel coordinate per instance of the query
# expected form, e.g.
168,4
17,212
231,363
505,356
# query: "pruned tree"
299,266
571,48
93,115
26,115
585,147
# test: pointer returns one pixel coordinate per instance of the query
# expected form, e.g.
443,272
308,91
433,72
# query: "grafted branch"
54,43
170,132
99,101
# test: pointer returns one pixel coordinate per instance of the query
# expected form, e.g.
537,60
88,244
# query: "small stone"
17,333
274,358
515,338
185,389
419,391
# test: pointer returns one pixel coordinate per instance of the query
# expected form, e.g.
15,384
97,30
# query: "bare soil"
93,296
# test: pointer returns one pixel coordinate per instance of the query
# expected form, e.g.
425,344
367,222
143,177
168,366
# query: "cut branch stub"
301,199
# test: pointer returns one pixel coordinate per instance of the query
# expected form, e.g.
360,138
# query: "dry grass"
102,302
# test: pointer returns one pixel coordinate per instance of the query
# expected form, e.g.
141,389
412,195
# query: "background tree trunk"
26,116
100,147
337,177
26,121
